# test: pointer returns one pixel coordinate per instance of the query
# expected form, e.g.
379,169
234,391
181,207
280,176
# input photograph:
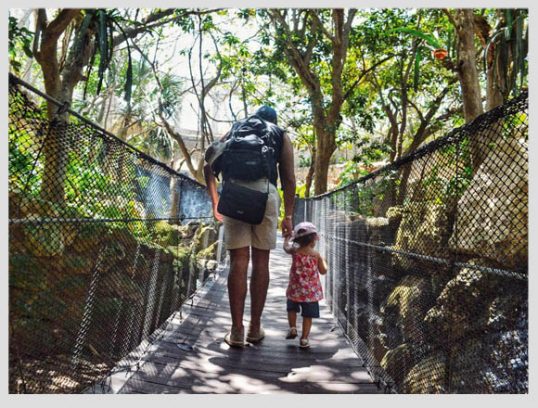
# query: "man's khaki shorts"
239,234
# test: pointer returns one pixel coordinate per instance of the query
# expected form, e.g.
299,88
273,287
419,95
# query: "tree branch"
424,130
419,112
312,41
308,78
323,28
156,19
450,17
40,25
57,26
363,74
181,143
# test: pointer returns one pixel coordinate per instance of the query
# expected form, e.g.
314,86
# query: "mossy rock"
493,363
405,308
395,214
492,214
428,376
166,234
204,235
398,361
89,237
124,237
208,253
15,208
27,272
424,229
461,309
504,310
118,284
44,239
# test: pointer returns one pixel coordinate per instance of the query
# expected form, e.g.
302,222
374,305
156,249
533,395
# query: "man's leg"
259,284
237,284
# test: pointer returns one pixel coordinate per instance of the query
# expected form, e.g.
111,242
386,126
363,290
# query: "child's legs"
292,319
307,325
292,308
309,311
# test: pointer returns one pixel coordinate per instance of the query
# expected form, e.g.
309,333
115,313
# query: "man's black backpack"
250,154
250,151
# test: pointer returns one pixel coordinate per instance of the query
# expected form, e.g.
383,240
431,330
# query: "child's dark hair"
305,239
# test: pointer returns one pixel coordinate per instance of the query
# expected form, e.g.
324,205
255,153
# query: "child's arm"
288,248
322,266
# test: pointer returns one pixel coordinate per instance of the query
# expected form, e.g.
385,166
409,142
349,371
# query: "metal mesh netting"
105,244
428,260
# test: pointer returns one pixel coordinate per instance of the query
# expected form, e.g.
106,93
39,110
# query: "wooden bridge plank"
191,356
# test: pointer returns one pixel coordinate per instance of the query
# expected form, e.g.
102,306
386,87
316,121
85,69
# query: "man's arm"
287,178
210,181
211,185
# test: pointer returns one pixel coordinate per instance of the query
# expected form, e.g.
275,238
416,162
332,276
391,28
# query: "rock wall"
435,327
492,216
101,291
424,229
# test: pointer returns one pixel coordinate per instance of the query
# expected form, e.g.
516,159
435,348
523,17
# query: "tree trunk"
175,188
325,147
468,74
55,157
496,78
310,175
197,171
326,119
497,69
470,86
59,85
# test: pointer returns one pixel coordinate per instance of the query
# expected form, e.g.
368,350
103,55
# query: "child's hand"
288,248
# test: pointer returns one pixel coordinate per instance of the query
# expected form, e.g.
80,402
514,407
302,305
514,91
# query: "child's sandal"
292,333
304,343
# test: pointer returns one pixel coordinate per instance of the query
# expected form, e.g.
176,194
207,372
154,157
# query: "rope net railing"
105,244
428,260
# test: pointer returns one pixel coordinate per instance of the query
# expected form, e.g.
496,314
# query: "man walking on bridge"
251,156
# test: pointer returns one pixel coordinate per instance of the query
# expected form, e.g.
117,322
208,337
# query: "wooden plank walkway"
191,356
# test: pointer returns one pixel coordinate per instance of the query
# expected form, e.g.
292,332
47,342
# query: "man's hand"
211,185
287,226
216,214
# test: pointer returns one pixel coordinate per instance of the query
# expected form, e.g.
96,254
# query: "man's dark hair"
267,113
305,239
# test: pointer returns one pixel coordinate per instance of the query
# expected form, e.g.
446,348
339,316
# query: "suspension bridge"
118,276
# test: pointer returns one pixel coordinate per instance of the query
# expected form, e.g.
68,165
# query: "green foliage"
170,95
102,24
250,51
428,38
156,142
22,157
165,234
20,40
369,151
300,191
351,172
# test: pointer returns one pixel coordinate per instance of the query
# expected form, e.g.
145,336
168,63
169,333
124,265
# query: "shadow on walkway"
191,356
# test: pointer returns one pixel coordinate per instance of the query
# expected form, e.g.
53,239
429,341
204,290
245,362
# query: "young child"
304,288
